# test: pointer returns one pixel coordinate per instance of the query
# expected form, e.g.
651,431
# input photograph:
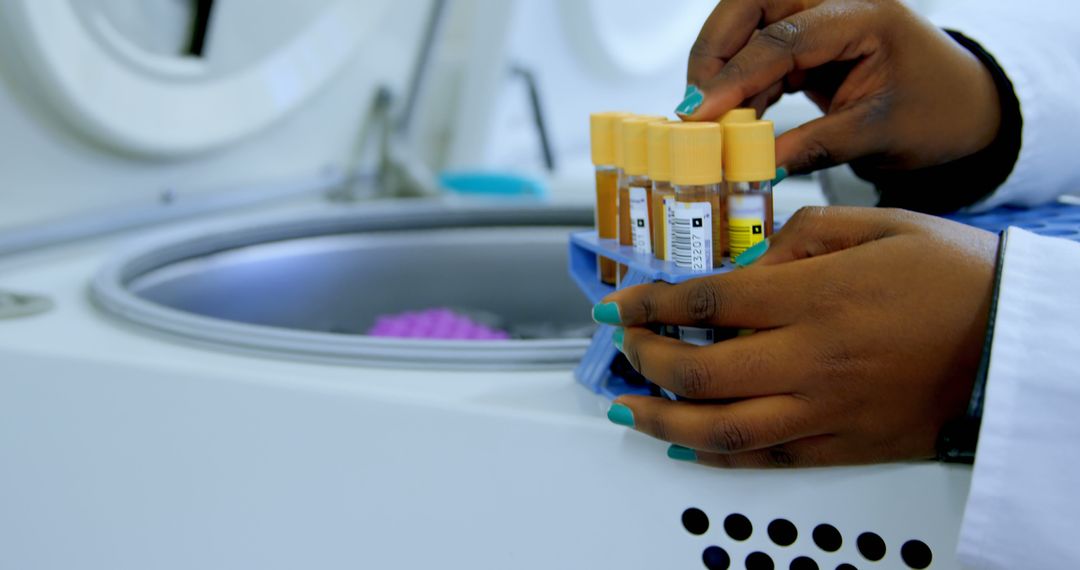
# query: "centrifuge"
192,249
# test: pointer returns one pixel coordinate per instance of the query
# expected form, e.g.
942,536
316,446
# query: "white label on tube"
746,206
639,220
669,215
691,236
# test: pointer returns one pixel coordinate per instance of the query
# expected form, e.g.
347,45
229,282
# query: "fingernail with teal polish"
691,101
620,414
689,88
781,174
617,338
606,313
680,453
751,255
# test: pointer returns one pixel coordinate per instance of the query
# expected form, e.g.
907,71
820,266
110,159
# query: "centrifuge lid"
108,115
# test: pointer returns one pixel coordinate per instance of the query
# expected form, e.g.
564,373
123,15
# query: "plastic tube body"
663,196
696,233
697,241
635,214
750,214
607,190
606,150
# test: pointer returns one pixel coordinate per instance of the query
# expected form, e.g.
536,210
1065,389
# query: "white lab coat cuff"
1041,56
1021,511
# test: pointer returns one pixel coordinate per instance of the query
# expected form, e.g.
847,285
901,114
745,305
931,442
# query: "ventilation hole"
871,546
827,538
916,554
738,527
846,567
695,521
782,532
759,561
803,563
716,558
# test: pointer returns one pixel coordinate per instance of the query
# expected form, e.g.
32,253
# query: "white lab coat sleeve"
1037,44
1023,510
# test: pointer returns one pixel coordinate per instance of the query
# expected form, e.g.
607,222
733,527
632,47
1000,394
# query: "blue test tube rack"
595,371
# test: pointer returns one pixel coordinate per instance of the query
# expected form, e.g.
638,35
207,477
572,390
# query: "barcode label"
639,220
691,235
746,221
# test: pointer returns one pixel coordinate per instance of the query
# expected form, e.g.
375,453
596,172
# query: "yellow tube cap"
602,134
749,151
740,115
636,144
696,154
620,139
659,135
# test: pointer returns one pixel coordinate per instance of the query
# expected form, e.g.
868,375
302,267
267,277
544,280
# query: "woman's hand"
898,93
870,328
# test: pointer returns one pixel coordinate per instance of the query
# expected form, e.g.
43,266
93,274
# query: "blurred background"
585,56
140,102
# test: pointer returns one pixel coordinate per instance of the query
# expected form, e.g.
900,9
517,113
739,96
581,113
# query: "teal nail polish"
781,174
691,101
617,338
606,313
689,89
680,453
751,255
620,414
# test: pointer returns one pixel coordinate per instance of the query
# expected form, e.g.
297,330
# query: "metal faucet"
382,167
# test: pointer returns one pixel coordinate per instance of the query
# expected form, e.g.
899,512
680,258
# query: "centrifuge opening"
313,288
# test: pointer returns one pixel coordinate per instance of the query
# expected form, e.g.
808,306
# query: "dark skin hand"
898,93
870,328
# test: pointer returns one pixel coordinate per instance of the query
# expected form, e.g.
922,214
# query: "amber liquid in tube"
607,189
662,193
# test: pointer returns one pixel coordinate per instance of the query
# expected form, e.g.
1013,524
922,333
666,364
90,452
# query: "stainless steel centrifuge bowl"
309,288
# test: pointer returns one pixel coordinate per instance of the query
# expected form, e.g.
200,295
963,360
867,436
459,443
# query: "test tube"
697,239
663,194
625,221
602,134
635,194
697,242
737,115
749,168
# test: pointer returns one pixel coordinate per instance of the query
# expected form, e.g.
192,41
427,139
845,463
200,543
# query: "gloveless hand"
870,329
898,93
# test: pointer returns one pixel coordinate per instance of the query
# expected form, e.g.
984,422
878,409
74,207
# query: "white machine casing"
125,447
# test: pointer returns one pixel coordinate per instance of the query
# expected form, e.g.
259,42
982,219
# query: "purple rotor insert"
434,324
